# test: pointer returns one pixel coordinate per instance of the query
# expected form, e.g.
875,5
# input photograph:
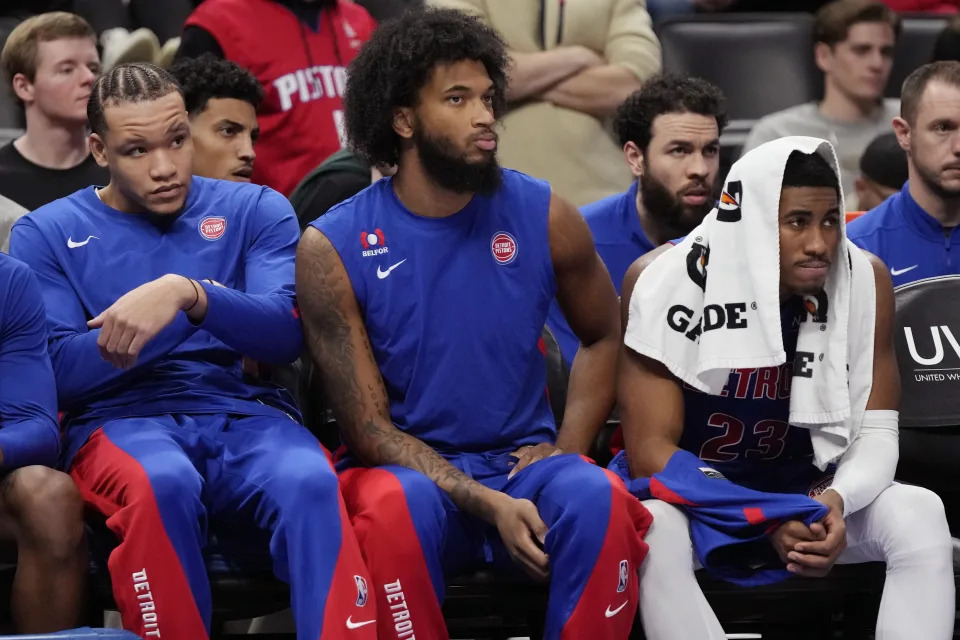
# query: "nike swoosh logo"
73,245
383,274
897,272
610,613
356,625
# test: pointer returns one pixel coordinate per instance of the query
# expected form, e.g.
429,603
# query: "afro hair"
207,77
397,62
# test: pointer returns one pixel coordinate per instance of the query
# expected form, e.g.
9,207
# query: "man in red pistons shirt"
299,51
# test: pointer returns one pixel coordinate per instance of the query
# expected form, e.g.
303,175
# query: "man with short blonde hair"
51,61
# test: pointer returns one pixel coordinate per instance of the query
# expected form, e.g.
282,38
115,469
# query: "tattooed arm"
338,342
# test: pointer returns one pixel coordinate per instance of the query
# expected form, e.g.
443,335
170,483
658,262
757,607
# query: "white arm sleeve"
869,464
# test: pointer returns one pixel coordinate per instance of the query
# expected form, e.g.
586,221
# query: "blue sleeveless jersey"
744,432
454,308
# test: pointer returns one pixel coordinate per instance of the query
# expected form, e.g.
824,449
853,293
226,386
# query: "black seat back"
762,62
918,34
558,376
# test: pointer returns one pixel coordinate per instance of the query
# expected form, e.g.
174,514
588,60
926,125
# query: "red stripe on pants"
115,484
607,607
343,598
388,540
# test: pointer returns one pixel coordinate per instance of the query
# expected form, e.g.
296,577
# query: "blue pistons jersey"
454,308
744,432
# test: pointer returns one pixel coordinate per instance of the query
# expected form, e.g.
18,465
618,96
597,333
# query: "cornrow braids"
133,82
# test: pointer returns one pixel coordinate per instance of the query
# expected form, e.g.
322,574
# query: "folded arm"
597,91
631,55
28,396
81,372
262,321
533,74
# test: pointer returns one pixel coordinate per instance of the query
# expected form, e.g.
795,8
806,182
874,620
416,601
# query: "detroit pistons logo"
361,590
213,228
730,200
503,246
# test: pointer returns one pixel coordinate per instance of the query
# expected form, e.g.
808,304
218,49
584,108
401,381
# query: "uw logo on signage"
938,351
730,200
503,246
213,228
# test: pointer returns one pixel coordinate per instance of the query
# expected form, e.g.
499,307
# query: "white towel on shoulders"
712,304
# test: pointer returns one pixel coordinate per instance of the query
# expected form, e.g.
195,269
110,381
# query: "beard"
673,218
931,179
450,170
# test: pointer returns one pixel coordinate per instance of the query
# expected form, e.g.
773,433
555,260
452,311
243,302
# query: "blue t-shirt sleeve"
28,396
263,321
80,372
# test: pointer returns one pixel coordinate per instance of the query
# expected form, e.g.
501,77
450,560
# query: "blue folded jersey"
729,524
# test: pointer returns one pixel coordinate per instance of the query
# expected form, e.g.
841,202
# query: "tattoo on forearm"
361,406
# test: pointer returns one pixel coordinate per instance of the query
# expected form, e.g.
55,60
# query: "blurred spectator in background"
883,171
299,51
155,26
662,9
10,212
923,6
51,61
778,5
222,99
382,10
12,13
947,46
341,176
575,62
670,134
854,42
912,231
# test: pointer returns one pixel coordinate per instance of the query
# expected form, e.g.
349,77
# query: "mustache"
698,187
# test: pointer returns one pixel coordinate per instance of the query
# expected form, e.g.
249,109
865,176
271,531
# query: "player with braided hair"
163,434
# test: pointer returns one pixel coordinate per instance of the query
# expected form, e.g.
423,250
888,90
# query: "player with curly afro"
222,99
423,298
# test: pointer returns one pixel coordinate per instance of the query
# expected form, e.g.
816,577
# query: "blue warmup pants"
413,538
161,480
